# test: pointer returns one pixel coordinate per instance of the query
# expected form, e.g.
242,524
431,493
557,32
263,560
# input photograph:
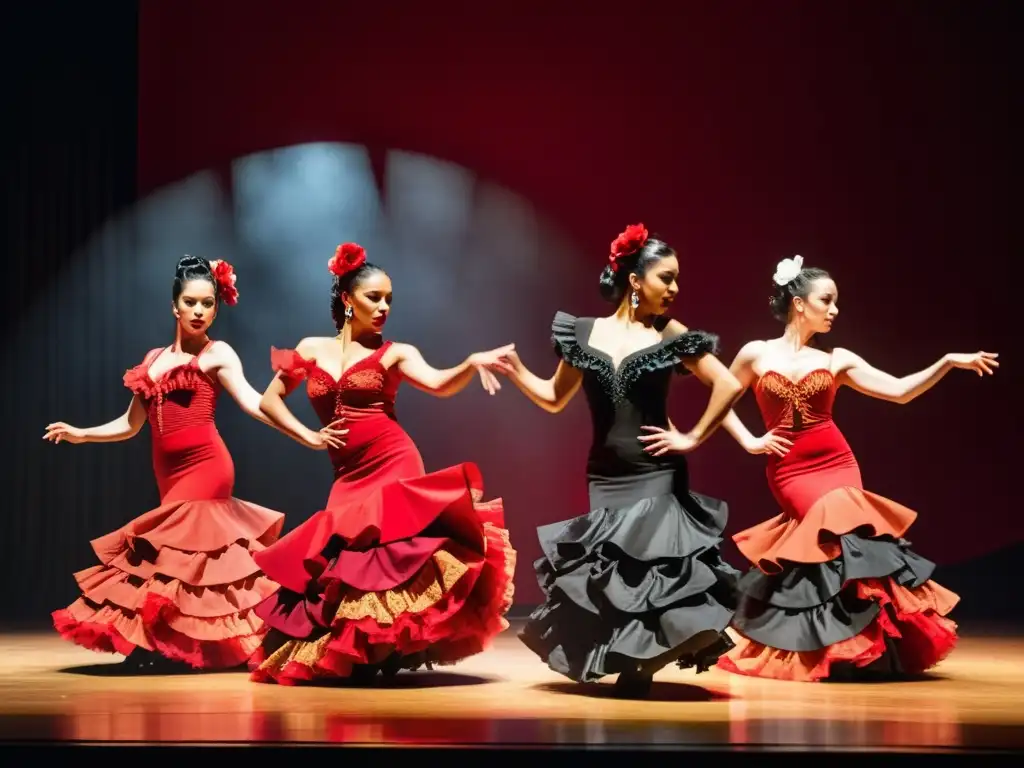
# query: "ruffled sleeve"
563,336
292,366
686,346
181,377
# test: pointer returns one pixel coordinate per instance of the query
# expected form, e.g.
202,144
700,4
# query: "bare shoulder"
674,328
218,355
310,346
399,351
221,349
843,359
752,351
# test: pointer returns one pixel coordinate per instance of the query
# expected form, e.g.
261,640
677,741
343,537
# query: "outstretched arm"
124,427
272,406
449,381
550,394
856,373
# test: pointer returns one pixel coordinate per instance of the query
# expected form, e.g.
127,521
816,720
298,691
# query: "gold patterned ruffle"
425,589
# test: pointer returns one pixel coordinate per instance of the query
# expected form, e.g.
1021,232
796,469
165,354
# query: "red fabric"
460,625
384,521
818,485
180,579
916,618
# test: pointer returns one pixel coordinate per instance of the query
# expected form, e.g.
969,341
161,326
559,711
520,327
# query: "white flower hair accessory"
787,270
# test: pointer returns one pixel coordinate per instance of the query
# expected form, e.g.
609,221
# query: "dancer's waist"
822,442
186,437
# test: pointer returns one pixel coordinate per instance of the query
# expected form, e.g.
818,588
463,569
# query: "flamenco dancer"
638,583
176,587
836,593
401,568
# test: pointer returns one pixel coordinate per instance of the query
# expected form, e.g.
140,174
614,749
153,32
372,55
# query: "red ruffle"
399,510
180,580
180,378
814,538
916,618
459,625
292,366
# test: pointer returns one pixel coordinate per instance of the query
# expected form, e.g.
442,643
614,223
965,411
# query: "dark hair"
800,285
346,284
192,268
615,283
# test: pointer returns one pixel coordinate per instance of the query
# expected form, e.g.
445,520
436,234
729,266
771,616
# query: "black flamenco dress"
637,583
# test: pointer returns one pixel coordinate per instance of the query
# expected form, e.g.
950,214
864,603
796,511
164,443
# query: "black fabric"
809,607
638,582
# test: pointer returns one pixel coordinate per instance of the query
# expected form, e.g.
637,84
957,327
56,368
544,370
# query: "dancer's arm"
273,407
450,381
743,369
124,427
856,373
550,394
725,391
231,375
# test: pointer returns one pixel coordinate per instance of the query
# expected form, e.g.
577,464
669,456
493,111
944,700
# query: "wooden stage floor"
53,691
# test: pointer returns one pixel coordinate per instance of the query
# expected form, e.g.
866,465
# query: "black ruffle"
668,354
636,587
809,607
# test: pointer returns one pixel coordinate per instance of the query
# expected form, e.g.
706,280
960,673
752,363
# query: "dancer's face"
370,301
657,289
196,307
820,308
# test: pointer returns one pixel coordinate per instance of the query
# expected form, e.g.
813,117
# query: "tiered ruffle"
179,580
839,587
633,588
418,571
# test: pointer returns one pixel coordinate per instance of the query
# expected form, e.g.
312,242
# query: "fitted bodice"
182,397
626,398
364,396
366,385
791,405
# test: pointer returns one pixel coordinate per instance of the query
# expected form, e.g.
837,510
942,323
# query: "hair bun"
187,262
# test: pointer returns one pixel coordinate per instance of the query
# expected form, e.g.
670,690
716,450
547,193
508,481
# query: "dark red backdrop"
873,137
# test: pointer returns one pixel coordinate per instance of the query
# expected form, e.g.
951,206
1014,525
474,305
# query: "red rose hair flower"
225,277
629,242
347,257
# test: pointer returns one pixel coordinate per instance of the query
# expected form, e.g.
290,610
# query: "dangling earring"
348,312
634,300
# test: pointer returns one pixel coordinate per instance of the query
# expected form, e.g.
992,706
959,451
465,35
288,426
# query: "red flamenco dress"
401,568
837,592
180,580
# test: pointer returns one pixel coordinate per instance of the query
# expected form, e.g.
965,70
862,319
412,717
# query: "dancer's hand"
661,441
769,443
59,432
488,380
981,362
486,363
509,363
328,437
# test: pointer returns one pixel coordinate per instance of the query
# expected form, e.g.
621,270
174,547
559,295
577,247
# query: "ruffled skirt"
634,588
437,594
181,581
839,594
